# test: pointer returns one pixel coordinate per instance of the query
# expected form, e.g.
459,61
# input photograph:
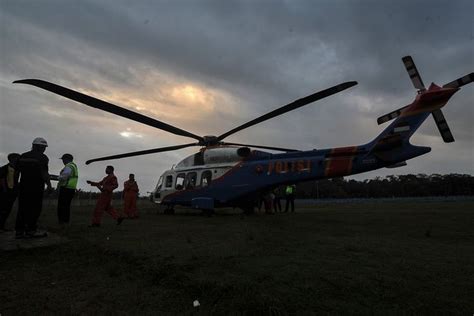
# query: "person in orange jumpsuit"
106,187
130,194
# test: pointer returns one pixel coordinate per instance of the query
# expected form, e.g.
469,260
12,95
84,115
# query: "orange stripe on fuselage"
419,107
341,163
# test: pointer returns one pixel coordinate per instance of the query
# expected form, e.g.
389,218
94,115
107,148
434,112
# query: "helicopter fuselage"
240,183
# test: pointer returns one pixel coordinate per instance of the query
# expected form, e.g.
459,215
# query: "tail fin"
393,145
398,133
438,116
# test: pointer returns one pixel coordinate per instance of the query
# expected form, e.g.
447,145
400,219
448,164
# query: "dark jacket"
33,168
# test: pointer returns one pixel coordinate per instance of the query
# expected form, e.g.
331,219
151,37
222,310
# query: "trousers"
30,204
7,199
103,204
130,204
64,204
290,200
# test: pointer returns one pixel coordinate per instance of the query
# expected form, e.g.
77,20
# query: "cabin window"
169,181
190,181
179,181
206,178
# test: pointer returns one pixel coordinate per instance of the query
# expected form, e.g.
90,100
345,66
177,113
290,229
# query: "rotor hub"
210,140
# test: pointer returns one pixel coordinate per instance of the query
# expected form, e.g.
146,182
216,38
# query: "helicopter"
227,174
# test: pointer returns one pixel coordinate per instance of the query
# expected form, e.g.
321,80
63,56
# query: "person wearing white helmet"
40,141
33,168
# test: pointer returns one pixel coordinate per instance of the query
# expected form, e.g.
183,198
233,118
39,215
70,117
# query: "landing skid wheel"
169,211
207,212
248,210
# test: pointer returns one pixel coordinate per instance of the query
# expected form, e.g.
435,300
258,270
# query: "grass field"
355,258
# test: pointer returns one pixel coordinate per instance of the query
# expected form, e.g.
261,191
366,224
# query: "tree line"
410,185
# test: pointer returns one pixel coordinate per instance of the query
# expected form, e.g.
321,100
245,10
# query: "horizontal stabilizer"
390,116
397,165
413,73
443,126
460,81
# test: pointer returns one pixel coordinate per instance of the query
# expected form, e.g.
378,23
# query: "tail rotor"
437,114
413,73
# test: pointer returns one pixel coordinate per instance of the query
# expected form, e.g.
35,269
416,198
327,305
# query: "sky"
209,66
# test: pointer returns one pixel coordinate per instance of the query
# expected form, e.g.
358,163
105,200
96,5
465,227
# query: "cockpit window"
169,181
160,181
206,178
179,181
158,187
190,181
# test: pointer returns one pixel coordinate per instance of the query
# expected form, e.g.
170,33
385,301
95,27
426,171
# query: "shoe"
36,234
94,225
119,220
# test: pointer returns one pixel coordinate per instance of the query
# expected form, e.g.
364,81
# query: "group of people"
25,177
106,186
272,199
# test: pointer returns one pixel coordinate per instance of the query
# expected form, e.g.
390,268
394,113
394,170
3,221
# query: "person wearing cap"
33,168
67,183
130,193
106,187
8,188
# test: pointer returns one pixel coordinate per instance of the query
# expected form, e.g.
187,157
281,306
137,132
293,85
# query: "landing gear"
248,209
207,212
169,210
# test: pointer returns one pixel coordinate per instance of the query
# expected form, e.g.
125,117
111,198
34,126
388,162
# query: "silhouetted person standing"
277,199
67,188
290,197
130,194
33,168
106,187
8,187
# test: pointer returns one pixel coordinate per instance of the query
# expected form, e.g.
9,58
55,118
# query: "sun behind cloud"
193,96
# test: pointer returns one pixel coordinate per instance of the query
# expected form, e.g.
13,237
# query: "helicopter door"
190,181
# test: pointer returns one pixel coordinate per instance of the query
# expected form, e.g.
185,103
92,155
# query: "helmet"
67,157
40,141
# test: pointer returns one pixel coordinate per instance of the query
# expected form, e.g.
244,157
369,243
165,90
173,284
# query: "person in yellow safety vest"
290,197
67,183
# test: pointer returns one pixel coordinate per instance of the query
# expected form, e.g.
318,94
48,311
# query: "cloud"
209,66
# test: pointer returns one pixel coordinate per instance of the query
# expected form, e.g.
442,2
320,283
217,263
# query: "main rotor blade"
292,106
258,146
413,73
442,126
106,106
460,81
142,152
